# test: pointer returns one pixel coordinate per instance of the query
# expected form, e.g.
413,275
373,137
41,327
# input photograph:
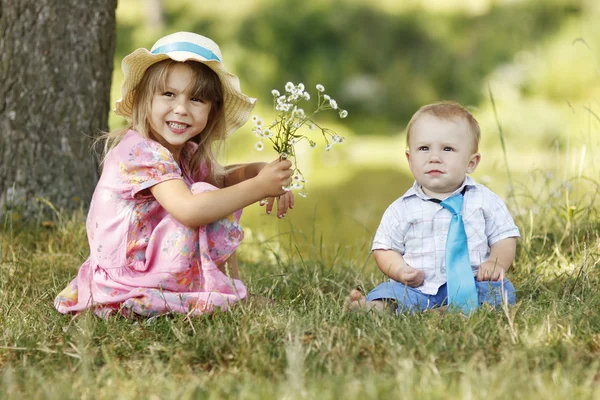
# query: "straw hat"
184,46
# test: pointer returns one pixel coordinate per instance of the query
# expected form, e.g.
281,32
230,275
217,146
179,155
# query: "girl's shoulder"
134,138
134,146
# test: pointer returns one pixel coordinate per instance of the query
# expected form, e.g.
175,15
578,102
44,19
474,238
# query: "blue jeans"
412,299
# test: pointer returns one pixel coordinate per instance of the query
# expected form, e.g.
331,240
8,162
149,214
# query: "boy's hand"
490,270
284,202
410,276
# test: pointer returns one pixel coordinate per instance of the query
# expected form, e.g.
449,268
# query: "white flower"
289,87
312,127
303,193
306,96
337,139
293,141
257,131
258,121
259,146
333,104
343,113
298,180
275,93
281,100
300,87
326,97
329,146
267,133
283,155
320,88
298,112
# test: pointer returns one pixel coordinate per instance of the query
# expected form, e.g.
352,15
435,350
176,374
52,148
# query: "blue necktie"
462,293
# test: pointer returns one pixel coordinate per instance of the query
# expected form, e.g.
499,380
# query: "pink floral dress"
141,259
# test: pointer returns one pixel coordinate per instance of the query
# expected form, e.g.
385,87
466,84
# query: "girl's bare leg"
230,267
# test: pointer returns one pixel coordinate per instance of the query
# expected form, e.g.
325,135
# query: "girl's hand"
273,177
284,202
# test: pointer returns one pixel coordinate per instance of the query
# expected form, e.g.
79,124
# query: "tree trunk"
56,62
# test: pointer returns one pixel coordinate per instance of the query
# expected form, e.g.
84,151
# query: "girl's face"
176,115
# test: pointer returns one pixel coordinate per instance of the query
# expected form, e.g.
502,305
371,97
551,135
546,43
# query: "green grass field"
306,346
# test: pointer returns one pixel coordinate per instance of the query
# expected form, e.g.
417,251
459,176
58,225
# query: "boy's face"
440,154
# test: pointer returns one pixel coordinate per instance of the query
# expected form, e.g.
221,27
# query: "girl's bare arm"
194,210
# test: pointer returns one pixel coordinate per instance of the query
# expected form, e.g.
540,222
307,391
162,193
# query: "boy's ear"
473,163
407,152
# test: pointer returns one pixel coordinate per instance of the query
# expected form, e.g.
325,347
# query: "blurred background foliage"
383,59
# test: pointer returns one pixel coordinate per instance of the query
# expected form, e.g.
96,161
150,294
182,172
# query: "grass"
306,346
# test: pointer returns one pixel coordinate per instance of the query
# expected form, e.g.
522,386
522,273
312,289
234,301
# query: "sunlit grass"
306,346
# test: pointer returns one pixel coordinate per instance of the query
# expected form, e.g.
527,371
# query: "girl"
163,224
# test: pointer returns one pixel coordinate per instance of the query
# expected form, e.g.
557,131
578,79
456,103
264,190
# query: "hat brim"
236,105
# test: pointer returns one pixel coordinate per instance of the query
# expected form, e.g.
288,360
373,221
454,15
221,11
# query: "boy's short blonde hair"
447,110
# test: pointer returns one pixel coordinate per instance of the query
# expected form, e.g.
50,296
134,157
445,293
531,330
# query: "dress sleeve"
146,164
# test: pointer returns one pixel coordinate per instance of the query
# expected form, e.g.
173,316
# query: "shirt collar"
417,190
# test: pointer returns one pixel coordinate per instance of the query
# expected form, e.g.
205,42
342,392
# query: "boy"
410,244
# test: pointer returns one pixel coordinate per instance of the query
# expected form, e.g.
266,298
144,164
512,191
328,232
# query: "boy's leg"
495,293
407,298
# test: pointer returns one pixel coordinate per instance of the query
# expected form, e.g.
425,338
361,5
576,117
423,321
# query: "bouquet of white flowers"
284,131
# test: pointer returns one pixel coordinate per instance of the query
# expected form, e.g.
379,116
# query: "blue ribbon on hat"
462,292
189,47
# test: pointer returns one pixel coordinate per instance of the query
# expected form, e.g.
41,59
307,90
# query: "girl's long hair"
207,87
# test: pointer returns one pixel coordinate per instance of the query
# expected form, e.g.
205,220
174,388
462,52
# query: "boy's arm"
502,255
392,264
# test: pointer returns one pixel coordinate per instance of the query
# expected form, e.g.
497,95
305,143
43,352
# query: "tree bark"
56,62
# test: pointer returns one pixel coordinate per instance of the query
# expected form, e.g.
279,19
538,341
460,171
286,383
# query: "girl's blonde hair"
447,110
207,87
